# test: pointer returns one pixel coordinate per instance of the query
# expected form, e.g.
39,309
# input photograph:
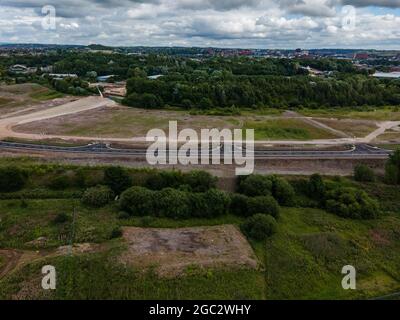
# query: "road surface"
359,151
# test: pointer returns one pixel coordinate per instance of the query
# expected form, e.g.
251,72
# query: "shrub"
217,203
392,173
164,179
316,187
362,173
265,205
259,227
200,181
283,192
173,203
198,205
60,183
12,179
61,218
97,196
239,205
256,185
117,179
138,201
352,203
116,233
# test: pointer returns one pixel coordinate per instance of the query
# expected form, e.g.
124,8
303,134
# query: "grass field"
127,123
45,94
377,114
287,129
303,260
353,128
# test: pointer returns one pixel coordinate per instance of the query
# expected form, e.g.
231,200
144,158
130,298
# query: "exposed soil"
171,251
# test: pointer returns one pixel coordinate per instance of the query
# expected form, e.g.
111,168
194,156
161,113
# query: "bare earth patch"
171,251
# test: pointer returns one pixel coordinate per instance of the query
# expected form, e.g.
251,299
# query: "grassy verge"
286,129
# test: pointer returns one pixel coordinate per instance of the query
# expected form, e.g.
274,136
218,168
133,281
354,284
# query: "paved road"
357,152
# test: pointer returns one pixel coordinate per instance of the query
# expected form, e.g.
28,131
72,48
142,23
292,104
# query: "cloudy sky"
222,23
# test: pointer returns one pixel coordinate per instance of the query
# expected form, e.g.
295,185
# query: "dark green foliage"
239,205
97,196
363,173
283,192
352,203
256,185
61,218
265,204
316,187
165,179
60,183
172,203
200,181
392,173
117,178
12,179
217,203
138,201
259,227
116,233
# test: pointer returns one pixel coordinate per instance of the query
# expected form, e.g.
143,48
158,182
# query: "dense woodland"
204,83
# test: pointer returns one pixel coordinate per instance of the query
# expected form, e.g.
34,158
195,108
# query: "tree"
138,201
239,205
283,192
200,181
316,187
392,170
217,203
97,196
117,178
12,179
173,203
264,204
352,203
256,185
259,227
362,173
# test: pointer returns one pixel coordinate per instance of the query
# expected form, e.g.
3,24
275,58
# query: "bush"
362,173
61,218
117,179
216,203
265,205
239,205
172,203
116,233
60,183
164,179
316,187
12,179
283,192
138,201
200,181
97,196
198,205
259,227
392,173
256,185
352,203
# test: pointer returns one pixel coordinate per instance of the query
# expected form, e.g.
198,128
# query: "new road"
359,151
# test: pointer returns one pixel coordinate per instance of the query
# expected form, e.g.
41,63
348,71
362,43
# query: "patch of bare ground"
351,127
170,252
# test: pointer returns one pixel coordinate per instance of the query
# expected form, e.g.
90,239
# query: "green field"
45,94
378,114
303,260
286,129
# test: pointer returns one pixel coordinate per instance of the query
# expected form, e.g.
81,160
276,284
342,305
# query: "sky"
285,24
